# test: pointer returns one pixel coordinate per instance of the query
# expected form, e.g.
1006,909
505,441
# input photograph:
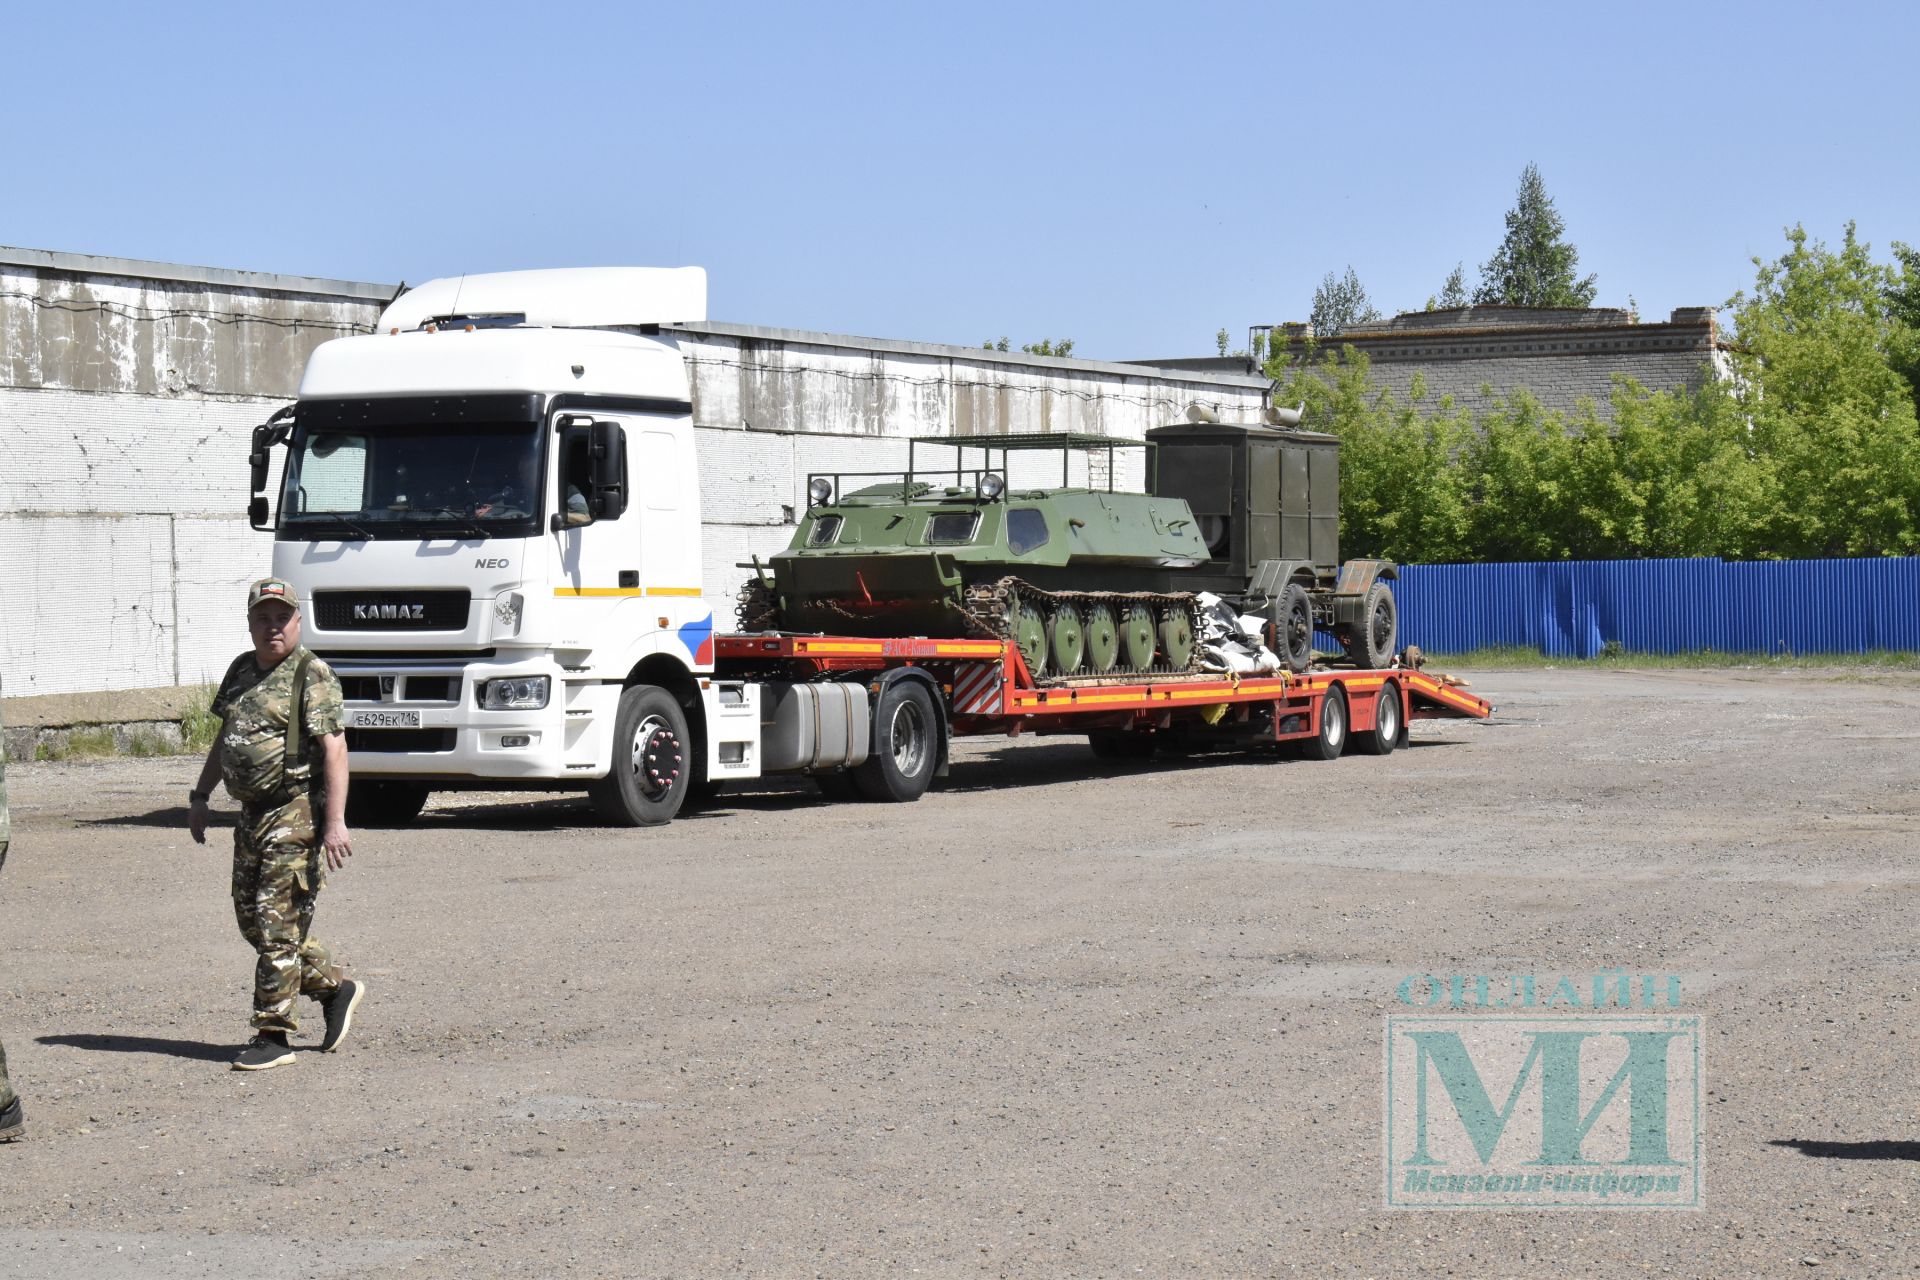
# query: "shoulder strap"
297,713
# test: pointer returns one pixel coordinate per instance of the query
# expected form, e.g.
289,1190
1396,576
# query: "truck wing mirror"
257,459
257,511
607,451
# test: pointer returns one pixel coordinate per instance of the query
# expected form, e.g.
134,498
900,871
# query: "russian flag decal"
698,637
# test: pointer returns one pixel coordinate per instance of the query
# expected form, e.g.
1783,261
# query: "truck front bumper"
425,719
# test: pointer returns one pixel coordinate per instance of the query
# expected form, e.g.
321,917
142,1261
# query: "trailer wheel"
648,780
1121,744
904,750
1332,738
1372,645
1295,614
1385,734
372,803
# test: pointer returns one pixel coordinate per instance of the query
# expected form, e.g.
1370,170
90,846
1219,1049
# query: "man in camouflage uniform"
292,789
12,1118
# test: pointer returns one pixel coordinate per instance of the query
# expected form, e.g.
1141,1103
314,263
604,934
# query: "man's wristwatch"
192,796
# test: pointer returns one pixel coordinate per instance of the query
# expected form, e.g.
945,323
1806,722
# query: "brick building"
1474,354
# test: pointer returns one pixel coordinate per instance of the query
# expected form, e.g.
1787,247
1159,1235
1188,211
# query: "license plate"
362,718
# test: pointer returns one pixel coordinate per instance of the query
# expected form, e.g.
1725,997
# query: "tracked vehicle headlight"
819,489
990,485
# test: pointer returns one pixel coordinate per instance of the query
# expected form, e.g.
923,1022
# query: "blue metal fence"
1572,608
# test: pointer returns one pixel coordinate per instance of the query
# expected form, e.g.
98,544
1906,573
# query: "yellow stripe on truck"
625,591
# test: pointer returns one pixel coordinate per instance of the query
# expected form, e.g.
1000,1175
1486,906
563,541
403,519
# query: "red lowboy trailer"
927,690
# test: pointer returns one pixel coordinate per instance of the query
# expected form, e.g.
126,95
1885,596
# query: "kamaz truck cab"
490,511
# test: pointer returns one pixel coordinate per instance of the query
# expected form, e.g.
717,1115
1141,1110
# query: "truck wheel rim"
657,758
909,732
1334,716
1389,714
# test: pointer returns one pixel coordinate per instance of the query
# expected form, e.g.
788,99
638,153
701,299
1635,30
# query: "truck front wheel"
651,772
905,749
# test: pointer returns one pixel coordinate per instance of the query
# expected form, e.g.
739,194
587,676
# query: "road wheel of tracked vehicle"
1294,614
1066,640
1176,637
1332,739
1103,639
372,803
648,780
1029,632
1372,645
905,749
1385,734
1136,638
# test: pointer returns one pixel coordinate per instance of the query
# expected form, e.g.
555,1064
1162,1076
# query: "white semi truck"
490,509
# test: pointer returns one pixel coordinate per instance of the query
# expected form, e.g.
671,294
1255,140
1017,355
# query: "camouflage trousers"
278,872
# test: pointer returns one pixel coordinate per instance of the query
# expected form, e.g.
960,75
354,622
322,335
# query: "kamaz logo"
389,613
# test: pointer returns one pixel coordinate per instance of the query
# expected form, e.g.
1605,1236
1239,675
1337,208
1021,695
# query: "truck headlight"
819,489
520,693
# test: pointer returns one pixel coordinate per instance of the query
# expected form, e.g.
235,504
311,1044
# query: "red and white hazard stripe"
976,689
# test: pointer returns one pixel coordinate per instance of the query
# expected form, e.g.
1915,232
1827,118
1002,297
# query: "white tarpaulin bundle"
1231,641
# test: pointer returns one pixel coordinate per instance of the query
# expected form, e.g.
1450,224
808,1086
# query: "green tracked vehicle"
1090,583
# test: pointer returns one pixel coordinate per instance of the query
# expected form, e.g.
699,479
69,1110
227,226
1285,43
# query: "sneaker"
13,1123
264,1051
338,1009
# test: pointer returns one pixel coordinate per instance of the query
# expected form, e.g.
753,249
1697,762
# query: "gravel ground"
1061,1017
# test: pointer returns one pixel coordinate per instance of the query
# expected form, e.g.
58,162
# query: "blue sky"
1131,176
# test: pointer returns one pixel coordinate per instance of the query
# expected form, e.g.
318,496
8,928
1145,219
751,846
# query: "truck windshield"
408,481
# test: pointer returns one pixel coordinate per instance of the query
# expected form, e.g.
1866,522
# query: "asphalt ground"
1061,1017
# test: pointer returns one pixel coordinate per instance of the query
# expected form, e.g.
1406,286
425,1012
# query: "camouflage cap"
272,589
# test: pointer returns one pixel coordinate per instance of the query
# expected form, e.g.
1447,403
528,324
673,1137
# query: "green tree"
1339,304
1454,292
1534,266
1820,339
1903,306
1048,347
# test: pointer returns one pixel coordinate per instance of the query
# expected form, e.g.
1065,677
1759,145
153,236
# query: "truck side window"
1026,529
577,481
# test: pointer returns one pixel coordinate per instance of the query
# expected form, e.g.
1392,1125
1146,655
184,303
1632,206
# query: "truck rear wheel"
650,775
1385,734
1332,738
374,803
905,749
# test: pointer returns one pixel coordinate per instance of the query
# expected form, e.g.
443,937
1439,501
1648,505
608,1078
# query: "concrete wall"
127,391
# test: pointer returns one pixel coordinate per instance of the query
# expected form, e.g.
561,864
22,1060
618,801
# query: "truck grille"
391,610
